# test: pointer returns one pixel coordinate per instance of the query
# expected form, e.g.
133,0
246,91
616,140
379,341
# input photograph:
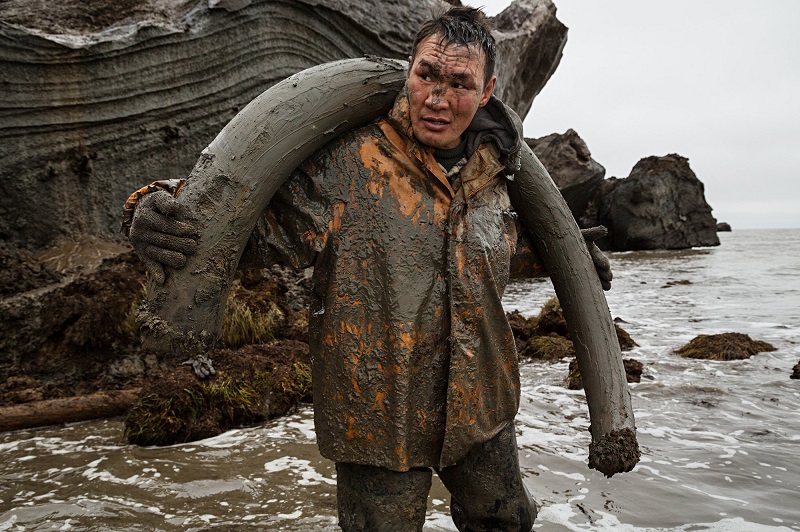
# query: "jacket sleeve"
292,229
525,262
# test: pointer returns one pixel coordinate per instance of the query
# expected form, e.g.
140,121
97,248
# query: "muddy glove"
601,263
201,365
158,237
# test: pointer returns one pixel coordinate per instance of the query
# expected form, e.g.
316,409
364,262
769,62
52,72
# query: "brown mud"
616,452
63,323
68,326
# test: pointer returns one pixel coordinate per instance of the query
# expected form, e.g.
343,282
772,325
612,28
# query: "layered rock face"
103,97
660,205
570,164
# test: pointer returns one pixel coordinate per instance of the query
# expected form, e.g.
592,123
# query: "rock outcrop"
723,227
569,162
660,205
102,97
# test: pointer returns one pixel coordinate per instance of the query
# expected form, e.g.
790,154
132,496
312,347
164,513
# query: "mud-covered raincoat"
413,359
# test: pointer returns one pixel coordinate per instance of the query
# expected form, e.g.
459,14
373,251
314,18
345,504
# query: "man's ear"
487,92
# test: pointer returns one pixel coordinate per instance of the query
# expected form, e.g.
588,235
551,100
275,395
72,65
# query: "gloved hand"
601,263
158,237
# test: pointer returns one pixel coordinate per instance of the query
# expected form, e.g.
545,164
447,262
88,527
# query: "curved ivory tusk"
543,211
237,175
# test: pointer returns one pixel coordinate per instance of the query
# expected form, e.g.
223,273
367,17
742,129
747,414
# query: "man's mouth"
436,124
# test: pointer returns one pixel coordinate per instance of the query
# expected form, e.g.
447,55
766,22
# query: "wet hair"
461,26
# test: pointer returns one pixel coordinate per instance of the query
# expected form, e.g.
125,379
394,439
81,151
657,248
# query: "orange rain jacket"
413,359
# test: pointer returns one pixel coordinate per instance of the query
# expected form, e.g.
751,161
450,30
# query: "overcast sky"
717,81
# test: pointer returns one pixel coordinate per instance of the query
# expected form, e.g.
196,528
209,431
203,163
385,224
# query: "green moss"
129,326
303,387
152,420
204,410
243,325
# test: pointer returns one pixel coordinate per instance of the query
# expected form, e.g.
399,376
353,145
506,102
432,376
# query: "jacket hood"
492,123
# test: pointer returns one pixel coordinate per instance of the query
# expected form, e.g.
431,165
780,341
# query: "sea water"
720,441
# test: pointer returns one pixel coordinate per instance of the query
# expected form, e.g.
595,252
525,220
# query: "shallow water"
720,440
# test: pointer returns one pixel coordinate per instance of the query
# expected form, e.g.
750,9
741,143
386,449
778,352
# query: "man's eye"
426,77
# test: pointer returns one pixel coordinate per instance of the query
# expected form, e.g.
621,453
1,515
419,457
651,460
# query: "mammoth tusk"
557,238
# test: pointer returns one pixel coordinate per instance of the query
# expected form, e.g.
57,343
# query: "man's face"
445,88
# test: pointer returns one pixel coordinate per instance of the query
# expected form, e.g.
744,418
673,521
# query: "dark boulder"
660,205
522,327
569,162
796,371
545,337
633,373
723,227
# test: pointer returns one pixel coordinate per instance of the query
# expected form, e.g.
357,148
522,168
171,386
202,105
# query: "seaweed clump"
551,348
725,346
253,384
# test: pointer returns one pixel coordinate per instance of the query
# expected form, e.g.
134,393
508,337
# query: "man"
410,230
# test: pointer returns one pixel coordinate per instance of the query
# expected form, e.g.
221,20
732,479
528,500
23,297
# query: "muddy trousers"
486,493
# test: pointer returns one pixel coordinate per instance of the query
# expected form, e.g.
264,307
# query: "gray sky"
717,81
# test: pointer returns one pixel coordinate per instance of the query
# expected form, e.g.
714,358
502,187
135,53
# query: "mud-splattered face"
445,88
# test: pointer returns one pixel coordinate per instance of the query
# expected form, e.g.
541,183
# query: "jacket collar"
491,136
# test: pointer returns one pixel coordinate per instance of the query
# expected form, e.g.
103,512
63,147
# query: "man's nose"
436,99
